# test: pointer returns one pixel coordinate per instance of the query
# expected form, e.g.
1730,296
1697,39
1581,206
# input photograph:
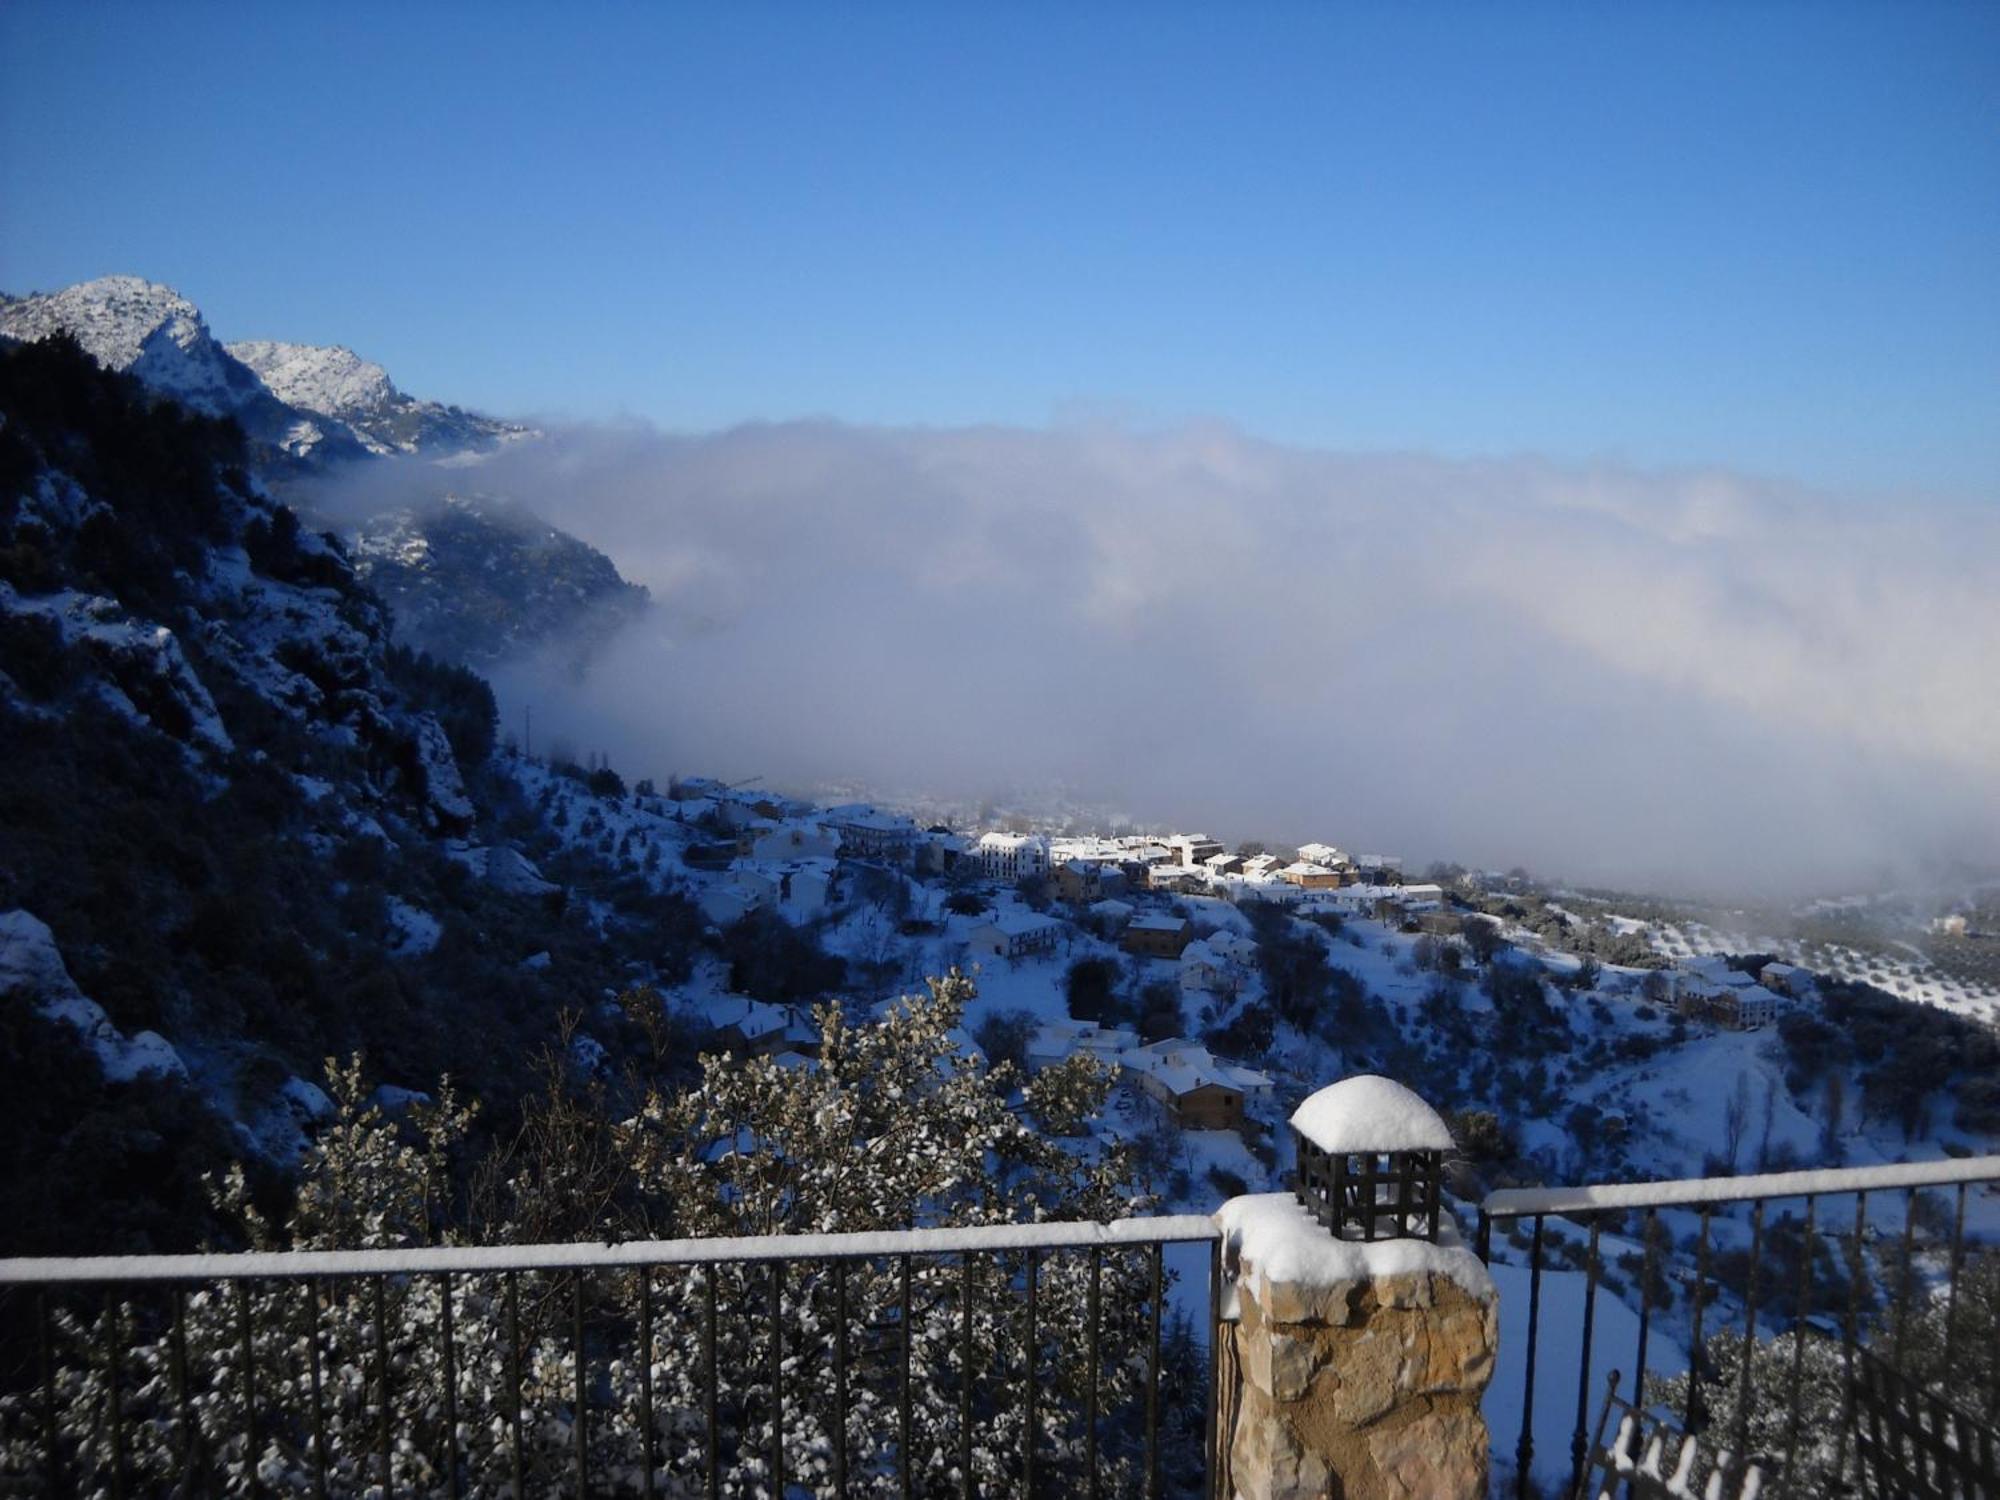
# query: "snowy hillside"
478,581
229,825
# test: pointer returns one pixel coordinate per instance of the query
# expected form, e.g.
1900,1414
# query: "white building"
1058,1041
1322,854
1014,935
1418,898
1194,849
1010,857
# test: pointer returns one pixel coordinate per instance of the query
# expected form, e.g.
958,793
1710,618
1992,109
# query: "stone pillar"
1354,1370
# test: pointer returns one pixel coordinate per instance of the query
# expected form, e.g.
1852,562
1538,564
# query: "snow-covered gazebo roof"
1370,1159
1370,1113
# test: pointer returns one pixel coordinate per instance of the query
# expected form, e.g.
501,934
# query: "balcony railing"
1020,1359
1871,1271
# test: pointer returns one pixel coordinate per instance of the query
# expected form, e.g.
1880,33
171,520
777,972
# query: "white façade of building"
1012,856
1014,935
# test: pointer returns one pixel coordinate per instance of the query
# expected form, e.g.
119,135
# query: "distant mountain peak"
333,381
152,331
330,379
308,402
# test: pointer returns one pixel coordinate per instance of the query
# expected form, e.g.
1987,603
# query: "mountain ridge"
470,581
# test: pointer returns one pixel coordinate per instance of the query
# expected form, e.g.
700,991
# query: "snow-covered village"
1195,753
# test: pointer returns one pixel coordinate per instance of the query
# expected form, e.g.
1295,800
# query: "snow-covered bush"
898,1126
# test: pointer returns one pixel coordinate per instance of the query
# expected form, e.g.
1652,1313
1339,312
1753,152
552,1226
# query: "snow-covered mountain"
469,581
151,331
339,385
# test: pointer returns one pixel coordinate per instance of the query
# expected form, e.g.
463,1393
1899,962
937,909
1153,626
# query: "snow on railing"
1521,1203
1165,1229
1005,1353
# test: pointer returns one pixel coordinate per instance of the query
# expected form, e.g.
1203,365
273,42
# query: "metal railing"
1787,1275
300,1374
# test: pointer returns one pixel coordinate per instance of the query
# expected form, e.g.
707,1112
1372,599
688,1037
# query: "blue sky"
1758,236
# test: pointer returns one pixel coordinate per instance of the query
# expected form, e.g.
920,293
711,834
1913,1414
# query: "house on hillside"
1015,934
1420,898
1734,1007
1262,867
1323,854
1308,876
1058,1041
780,842
1085,880
1204,971
1193,849
1351,900
867,832
1200,1090
1157,936
1786,979
752,1028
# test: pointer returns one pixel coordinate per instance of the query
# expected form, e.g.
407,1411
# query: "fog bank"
1684,680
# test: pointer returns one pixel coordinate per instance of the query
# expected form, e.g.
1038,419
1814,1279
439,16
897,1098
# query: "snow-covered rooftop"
1370,1113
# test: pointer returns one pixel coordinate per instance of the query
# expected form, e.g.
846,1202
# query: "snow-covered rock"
146,675
415,930
32,969
444,789
510,870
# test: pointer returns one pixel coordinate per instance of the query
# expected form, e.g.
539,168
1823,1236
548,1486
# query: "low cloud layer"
1690,680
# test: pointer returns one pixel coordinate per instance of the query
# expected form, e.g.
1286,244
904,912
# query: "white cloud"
1688,678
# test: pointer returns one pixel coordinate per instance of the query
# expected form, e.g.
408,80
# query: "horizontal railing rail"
989,1359
274,1265
1690,1192
1817,1261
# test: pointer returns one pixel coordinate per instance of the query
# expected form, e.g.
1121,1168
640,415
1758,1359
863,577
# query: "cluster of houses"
1709,989
1199,1090
1092,869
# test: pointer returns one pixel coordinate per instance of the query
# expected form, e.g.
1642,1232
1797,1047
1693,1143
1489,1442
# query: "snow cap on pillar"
1371,1159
